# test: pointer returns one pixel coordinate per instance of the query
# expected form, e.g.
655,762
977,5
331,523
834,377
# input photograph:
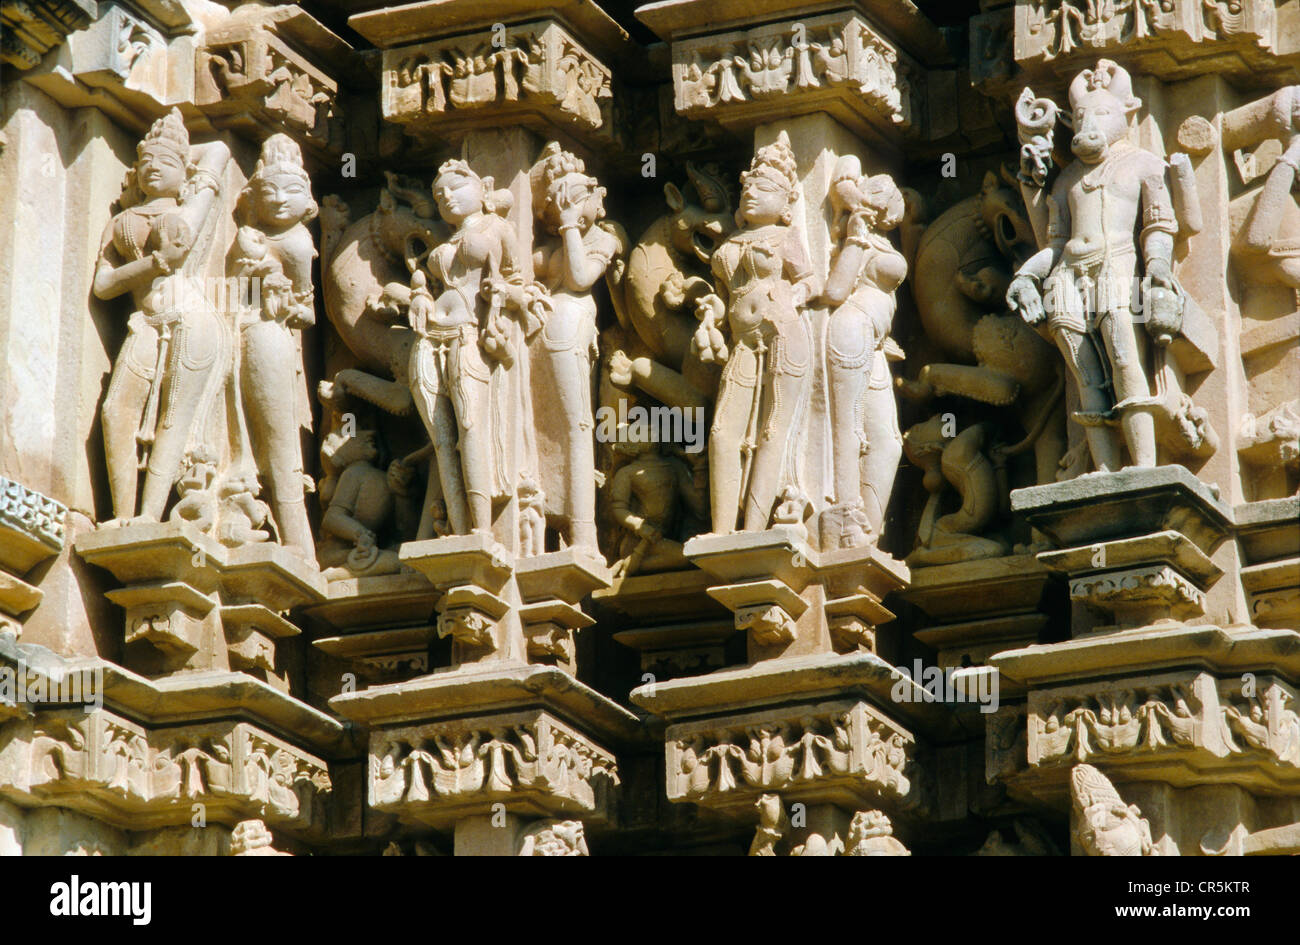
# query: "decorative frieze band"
37,516
530,760
535,67
1244,717
118,769
821,749
781,66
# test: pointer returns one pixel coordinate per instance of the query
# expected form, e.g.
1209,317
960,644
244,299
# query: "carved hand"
1160,273
649,531
620,369
1023,297
859,226
174,239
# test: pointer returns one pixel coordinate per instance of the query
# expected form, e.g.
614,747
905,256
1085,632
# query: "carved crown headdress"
1089,786
494,200
776,163
1110,76
168,132
280,155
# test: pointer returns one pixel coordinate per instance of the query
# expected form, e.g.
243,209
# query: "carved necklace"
1104,174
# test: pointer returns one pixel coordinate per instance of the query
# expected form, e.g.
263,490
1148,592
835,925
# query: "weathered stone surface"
497,428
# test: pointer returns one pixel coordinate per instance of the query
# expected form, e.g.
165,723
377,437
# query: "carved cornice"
31,28
532,761
1180,728
835,63
129,774
537,74
264,72
839,751
1173,39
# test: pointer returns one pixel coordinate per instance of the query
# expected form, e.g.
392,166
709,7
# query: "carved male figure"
650,496
176,345
1081,283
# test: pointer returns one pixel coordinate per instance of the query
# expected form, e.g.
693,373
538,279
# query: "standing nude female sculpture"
172,363
763,272
570,206
865,442
467,364
276,248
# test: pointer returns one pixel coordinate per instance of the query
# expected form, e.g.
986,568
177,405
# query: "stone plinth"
979,608
1135,544
1268,534
793,600
141,754
456,746
194,604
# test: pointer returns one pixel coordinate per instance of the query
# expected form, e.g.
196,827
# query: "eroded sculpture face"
1100,119
160,172
459,196
282,199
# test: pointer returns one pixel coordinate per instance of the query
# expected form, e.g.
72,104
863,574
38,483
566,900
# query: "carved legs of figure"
124,405
567,342
450,386
1084,362
866,444
200,345
884,444
727,439
782,395
752,426
1132,390
268,385
850,346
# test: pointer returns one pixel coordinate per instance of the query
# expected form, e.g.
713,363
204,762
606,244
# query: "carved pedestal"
979,608
31,531
1135,544
493,752
1268,534
193,604
792,600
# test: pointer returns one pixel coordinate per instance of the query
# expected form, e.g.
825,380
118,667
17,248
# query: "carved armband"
1158,218
200,180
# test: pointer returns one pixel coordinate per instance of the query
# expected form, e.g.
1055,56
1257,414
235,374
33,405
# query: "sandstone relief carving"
1091,277
752,324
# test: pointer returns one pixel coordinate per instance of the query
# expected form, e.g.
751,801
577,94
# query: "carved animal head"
1003,219
406,228
1101,101
698,229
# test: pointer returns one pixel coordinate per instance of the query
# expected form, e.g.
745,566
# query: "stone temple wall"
713,426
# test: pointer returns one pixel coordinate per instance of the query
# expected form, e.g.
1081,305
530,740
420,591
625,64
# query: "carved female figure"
865,443
276,248
169,367
569,205
463,368
763,277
